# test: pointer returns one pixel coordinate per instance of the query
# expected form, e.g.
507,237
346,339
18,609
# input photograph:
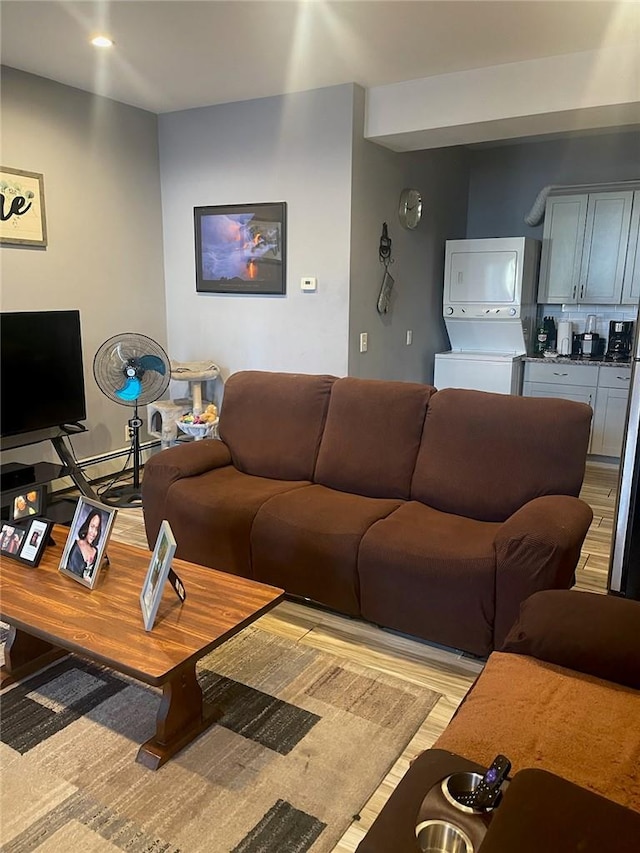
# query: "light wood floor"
448,672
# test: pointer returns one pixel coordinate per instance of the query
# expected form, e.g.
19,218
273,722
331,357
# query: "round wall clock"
410,208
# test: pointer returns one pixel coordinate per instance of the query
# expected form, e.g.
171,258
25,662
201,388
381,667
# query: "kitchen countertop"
564,359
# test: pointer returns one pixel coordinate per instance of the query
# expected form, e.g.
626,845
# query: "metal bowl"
440,836
457,787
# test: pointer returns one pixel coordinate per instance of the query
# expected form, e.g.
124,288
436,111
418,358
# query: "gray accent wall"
99,159
379,175
296,149
506,179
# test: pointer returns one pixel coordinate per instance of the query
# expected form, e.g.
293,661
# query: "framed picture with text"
241,248
23,221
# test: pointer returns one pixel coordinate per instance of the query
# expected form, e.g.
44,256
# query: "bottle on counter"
550,328
540,344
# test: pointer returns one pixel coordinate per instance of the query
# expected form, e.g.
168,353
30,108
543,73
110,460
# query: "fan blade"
131,389
153,362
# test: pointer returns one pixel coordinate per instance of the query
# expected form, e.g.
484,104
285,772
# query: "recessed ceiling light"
101,41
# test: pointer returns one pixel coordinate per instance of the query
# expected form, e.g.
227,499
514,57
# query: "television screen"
42,373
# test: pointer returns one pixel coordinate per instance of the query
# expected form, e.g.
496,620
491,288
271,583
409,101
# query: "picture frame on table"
27,502
241,248
25,541
84,550
157,574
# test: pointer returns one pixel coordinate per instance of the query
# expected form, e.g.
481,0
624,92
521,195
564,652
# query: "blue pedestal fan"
131,369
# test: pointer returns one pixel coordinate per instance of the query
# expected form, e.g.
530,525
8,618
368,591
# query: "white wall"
295,149
99,159
578,91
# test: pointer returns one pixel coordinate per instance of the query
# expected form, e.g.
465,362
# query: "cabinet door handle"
573,295
555,373
623,378
581,291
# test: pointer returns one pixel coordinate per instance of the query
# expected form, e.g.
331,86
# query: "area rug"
304,740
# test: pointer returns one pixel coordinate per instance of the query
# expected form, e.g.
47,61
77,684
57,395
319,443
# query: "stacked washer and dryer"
489,311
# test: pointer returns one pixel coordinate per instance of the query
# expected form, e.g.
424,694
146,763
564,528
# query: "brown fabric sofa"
434,513
563,697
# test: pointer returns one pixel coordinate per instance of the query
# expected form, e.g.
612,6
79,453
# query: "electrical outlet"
364,341
127,437
409,337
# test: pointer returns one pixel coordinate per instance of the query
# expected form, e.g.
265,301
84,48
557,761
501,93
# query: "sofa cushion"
211,516
542,715
551,627
307,543
431,574
272,422
371,437
485,455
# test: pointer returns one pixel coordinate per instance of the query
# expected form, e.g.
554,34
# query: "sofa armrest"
175,463
594,634
189,459
537,548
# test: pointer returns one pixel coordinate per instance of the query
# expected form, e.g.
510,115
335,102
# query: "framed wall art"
241,248
84,551
22,216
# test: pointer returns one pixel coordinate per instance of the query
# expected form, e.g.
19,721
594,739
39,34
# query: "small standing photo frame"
26,541
28,502
84,551
157,574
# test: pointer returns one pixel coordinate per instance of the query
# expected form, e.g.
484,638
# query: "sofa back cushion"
485,455
272,422
371,437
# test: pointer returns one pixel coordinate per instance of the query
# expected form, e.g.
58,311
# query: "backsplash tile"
578,315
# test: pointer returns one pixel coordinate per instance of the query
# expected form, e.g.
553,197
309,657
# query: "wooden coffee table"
51,614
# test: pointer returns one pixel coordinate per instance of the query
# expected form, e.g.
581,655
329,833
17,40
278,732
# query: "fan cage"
126,351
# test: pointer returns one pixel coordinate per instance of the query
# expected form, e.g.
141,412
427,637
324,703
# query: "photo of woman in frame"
84,550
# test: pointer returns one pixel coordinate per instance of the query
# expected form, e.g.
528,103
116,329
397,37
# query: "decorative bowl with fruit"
199,425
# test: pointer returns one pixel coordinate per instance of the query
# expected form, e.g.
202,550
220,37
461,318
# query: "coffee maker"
620,340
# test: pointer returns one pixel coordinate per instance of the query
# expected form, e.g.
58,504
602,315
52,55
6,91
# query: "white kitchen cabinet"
579,393
631,283
566,381
604,388
562,240
610,410
584,247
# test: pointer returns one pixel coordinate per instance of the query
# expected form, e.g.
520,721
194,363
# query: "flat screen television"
42,372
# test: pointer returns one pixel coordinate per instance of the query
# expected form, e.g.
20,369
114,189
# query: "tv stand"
73,470
44,472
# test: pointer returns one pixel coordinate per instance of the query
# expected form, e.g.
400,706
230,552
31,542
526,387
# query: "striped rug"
304,740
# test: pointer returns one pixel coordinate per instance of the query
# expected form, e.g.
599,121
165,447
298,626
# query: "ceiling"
178,54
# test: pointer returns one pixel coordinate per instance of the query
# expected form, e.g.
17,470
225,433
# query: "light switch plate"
308,283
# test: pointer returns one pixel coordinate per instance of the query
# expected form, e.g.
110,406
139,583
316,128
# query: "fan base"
122,496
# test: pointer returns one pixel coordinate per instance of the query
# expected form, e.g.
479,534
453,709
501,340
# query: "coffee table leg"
25,654
182,716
